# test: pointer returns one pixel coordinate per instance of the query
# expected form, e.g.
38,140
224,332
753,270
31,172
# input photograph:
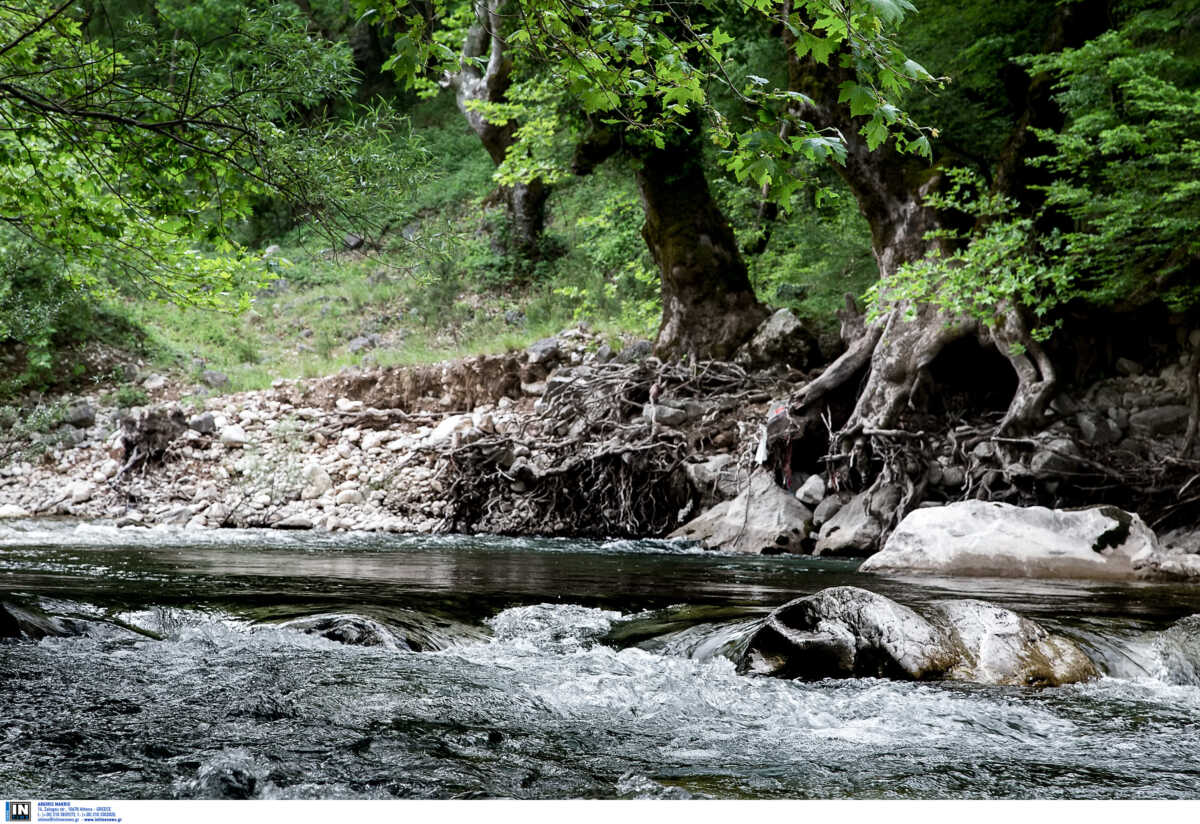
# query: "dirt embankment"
567,438
561,439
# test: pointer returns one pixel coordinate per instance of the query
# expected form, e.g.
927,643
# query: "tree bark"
891,190
525,203
709,306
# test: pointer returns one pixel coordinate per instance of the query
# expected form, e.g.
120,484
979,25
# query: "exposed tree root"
592,463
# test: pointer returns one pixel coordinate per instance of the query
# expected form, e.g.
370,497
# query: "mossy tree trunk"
890,189
709,306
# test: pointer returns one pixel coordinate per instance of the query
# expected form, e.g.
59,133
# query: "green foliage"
126,397
649,69
1126,169
1001,262
1120,211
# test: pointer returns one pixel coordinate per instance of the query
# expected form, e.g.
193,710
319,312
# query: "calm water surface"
547,669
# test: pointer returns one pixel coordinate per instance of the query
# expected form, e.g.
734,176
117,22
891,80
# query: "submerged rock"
994,539
1178,652
350,629
765,519
847,632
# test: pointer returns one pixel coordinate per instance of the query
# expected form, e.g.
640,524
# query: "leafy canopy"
127,167
648,67
1123,191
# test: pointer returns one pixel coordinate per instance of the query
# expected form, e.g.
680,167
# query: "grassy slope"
438,288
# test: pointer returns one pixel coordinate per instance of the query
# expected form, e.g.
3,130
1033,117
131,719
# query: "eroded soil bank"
570,439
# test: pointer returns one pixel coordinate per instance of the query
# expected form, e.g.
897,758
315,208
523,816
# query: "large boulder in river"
979,538
847,632
997,646
764,520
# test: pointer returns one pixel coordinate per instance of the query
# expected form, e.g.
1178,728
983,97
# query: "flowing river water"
523,668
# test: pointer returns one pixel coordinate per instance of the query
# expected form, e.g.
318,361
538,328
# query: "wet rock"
996,539
782,338
1178,652
764,519
851,533
1162,420
354,630
80,415
204,423
1169,566
812,491
847,632
997,646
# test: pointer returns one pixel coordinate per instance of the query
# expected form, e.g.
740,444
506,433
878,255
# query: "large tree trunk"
891,190
525,202
709,307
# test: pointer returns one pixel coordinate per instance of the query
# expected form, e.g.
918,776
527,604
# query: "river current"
514,668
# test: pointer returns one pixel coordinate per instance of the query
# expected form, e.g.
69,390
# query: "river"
519,668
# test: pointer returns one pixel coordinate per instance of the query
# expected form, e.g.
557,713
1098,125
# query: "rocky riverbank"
392,449
569,438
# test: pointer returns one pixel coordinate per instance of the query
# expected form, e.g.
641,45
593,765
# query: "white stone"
446,429
233,435
345,449
207,491
293,522
347,405
81,491
13,511
109,468
316,482
349,496
370,440
812,491
977,538
154,383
